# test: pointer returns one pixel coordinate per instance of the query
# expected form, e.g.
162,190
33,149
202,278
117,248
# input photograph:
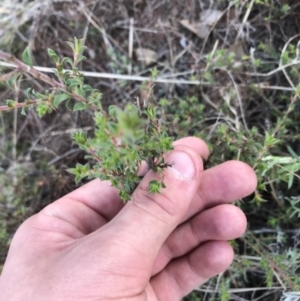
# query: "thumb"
151,217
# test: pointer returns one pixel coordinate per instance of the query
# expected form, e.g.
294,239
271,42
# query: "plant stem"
35,73
38,75
18,105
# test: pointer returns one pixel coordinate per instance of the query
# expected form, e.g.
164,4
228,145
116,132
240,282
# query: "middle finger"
223,222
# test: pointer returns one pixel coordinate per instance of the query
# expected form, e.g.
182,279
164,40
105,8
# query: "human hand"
89,246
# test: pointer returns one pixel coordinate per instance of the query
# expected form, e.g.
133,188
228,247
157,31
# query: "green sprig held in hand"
123,139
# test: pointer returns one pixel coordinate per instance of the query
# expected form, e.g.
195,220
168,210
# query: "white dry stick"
212,54
290,296
145,78
130,44
239,98
281,58
89,16
247,14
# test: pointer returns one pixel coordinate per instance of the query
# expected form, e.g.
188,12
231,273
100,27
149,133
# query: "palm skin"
89,246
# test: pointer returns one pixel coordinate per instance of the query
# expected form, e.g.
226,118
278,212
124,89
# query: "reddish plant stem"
35,73
6,76
18,105
38,75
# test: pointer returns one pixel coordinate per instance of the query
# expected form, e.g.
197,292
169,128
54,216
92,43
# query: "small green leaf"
74,82
79,46
10,103
68,105
60,98
23,111
95,97
53,55
79,90
59,69
80,171
124,196
112,127
79,106
87,88
76,43
270,140
40,95
154,186
42,109
27,57
67,60
71,45
291,180
154,73
27,92
293,154
79,137
80,59
113,111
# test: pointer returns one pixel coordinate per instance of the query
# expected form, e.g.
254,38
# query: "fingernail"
182,164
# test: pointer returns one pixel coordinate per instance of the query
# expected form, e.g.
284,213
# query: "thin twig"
280,68
247,14
58,158
241,290
138,78
130,44
89,15
19,105
281,58
14,144
6,76
68,131
238,97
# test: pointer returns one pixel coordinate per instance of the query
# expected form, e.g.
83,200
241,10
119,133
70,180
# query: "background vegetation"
226,71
